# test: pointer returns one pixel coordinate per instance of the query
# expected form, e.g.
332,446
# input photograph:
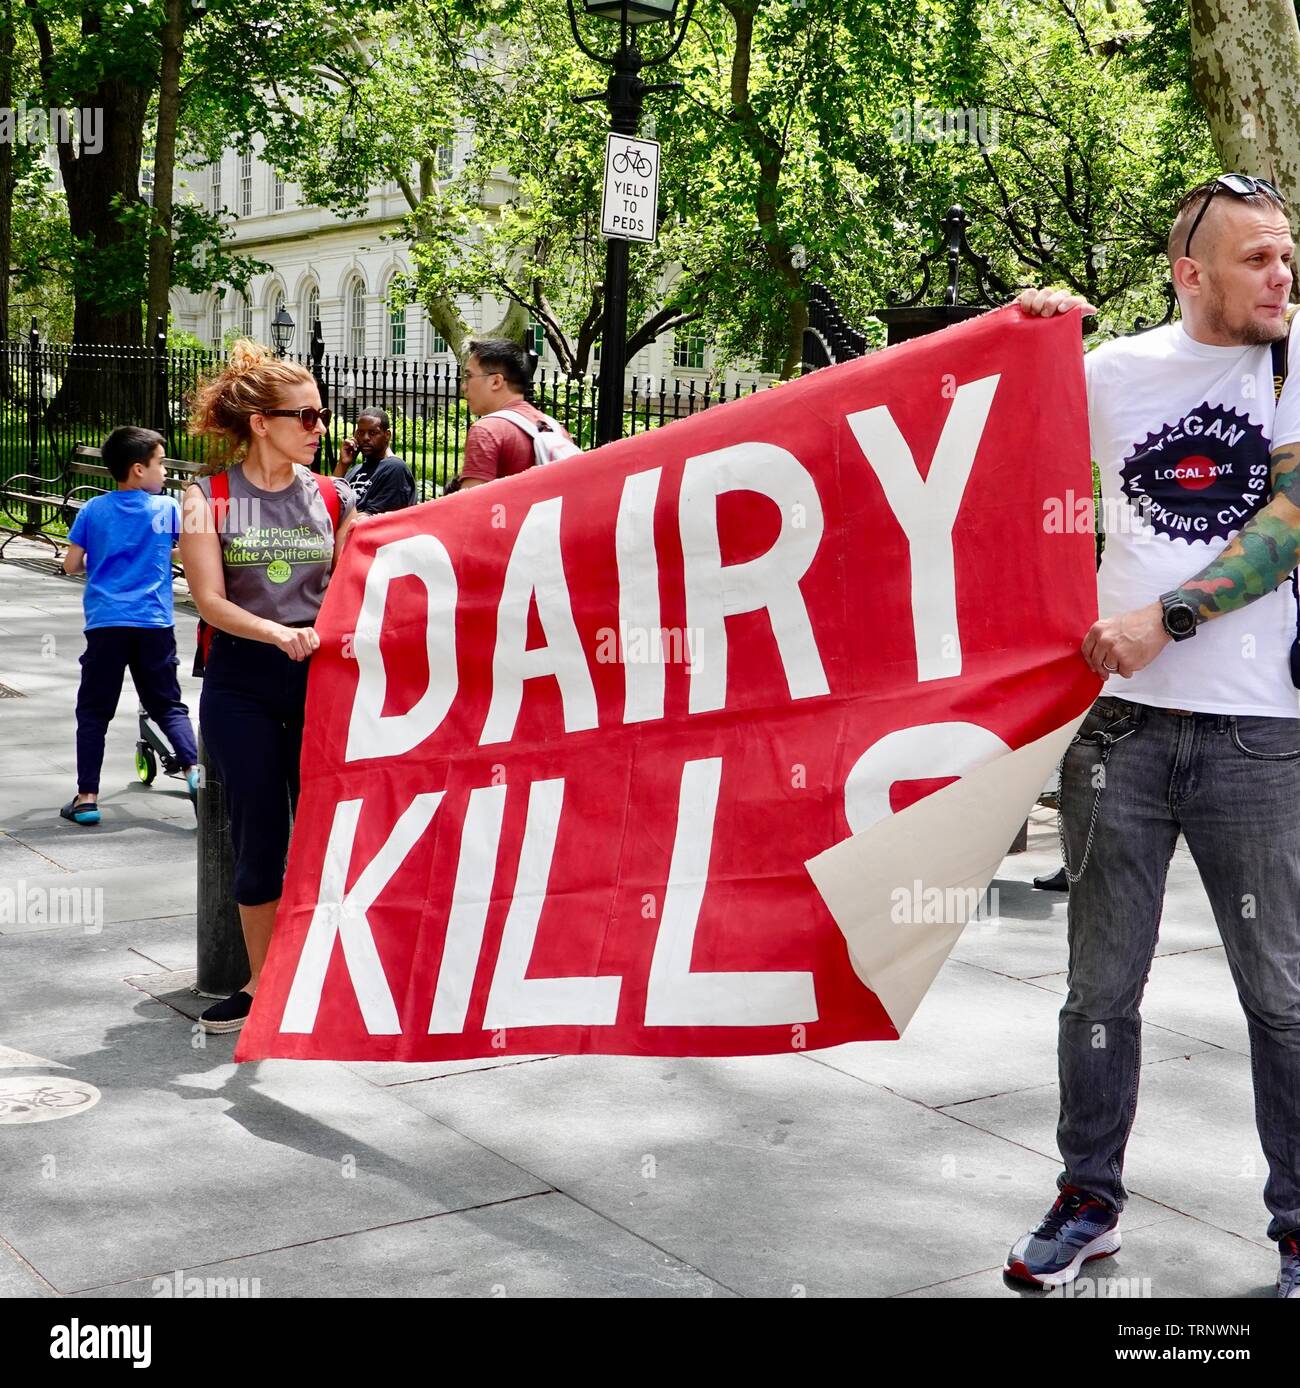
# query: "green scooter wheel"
146,764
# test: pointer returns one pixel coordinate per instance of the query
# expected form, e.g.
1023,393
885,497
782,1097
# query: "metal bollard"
223,960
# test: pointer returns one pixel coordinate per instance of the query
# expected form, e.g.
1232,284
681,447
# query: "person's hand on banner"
1125,644
1046,302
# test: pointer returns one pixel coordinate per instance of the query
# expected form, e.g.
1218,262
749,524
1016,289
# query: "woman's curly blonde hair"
251,382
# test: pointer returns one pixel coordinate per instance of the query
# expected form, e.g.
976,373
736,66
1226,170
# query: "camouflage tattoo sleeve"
1263,552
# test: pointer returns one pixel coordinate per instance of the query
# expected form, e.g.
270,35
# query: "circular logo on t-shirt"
278,571
1201,478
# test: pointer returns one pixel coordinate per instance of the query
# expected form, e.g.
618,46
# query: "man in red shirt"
494,379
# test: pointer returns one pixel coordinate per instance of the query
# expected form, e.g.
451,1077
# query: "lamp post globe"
282,328
632,11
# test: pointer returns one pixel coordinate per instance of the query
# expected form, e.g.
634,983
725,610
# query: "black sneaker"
228,1015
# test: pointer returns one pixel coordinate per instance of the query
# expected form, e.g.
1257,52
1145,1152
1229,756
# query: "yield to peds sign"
631,189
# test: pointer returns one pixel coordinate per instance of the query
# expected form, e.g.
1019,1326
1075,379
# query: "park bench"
32,504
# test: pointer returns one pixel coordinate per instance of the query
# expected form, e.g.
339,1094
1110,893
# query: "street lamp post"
623,98
282,326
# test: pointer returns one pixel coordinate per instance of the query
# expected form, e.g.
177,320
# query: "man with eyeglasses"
493,382
1200,467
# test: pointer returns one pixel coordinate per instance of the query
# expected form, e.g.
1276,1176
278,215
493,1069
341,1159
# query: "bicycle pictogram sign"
630,207
632,161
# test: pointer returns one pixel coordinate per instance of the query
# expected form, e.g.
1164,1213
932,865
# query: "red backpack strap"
220,487
330,496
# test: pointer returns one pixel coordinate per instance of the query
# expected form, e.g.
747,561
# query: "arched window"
246,184
445,156
356,338
310,312
214,327
437,343
396,319
245,316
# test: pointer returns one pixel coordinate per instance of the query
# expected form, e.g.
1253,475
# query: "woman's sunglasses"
1240,186
307,416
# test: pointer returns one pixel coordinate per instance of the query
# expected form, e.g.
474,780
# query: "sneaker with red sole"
1077,1229
1288,1279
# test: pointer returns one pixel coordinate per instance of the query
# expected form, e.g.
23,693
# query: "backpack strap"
1280,349
221,497
527,425
329,494
220,487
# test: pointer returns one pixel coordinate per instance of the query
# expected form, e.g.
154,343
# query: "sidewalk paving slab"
385,1073
110,894
194,1160
768,1173
976,1032
536,1246
114,842
17,1282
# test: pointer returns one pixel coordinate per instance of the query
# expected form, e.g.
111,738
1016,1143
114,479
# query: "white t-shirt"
1181,434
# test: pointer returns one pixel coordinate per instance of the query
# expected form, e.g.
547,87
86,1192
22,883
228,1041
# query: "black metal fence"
54,396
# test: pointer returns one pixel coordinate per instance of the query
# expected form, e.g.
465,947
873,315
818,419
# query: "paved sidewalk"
901,1169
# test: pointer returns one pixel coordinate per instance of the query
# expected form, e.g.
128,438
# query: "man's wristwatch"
1180,617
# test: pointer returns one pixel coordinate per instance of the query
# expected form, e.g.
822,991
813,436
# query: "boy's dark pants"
150,655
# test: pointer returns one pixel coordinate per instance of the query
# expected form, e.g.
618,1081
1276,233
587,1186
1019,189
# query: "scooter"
151,751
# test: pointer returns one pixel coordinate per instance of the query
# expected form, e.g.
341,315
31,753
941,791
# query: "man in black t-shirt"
381,480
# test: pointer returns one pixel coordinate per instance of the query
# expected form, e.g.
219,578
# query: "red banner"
572,736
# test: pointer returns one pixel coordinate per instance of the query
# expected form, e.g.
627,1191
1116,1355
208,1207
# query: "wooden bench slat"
83,472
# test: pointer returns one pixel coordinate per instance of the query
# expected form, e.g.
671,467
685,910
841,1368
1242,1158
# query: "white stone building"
342,271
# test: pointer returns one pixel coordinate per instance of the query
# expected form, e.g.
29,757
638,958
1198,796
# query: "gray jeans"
1133,779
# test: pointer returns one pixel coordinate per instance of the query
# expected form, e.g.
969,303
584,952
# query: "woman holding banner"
259,542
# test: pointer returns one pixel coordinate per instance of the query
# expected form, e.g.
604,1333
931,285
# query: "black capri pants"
251,717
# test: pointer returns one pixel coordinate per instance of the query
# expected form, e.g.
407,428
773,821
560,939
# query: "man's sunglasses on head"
307,416
1240,186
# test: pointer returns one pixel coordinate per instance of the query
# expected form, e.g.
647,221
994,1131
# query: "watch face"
1180,619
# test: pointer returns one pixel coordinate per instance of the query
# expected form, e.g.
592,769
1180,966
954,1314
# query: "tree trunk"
1246,75
769,155
447,318
97,388
164,161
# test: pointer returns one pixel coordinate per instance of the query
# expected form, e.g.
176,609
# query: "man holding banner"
1204,741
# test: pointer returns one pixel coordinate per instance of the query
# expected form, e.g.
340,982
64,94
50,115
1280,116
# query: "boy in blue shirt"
124,539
